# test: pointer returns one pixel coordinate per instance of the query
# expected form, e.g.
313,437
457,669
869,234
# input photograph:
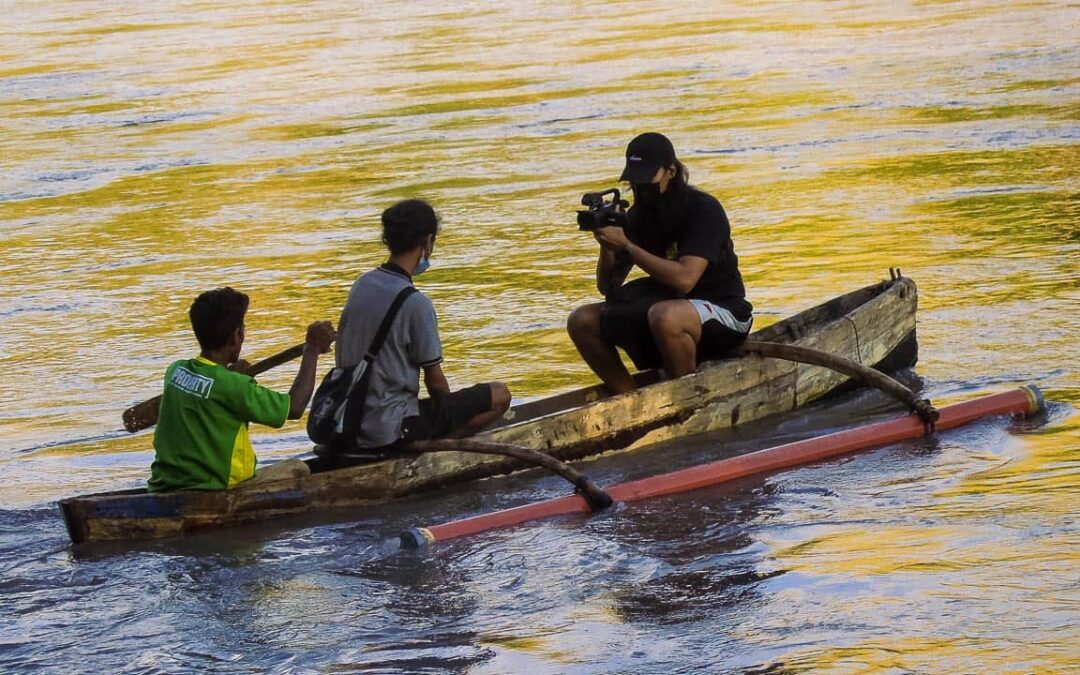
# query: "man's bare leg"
584,328
676,328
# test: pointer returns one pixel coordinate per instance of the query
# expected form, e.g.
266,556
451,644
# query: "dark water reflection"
152,152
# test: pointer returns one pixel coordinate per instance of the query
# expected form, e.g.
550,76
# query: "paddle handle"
145,415
276,360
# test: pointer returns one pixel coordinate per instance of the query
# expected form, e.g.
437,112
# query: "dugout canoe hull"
874,325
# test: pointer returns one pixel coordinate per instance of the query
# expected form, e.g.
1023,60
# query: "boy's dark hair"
407,224
215,315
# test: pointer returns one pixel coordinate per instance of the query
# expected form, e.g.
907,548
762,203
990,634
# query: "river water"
154,150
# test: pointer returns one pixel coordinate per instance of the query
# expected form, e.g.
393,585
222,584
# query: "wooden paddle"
145,415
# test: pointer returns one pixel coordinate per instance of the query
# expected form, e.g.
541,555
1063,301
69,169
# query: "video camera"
601,213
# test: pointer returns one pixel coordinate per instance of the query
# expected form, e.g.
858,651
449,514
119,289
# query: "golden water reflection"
154,152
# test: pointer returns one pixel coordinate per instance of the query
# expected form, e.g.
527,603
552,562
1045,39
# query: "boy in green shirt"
201,441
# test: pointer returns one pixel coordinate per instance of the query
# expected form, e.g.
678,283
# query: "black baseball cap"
645,155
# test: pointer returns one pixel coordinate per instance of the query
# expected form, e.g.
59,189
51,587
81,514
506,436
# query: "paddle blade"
142,415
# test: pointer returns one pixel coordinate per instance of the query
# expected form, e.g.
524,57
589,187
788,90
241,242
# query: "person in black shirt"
692,305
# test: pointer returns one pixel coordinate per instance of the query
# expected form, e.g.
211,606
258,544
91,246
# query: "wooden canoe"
874,326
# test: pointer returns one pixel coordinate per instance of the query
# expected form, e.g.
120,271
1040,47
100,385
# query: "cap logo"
633,158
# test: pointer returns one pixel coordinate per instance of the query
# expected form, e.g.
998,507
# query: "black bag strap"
388,320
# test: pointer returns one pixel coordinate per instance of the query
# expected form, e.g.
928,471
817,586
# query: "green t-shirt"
201,441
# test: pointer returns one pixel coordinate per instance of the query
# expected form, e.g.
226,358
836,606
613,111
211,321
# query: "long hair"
681,180
678,188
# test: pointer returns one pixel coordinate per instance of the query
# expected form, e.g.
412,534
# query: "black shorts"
624,319
624,323
721,330
441,415
717,341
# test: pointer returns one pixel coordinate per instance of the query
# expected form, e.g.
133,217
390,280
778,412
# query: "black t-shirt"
694,225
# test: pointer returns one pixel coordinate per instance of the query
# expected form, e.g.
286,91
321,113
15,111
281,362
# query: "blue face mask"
422,266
